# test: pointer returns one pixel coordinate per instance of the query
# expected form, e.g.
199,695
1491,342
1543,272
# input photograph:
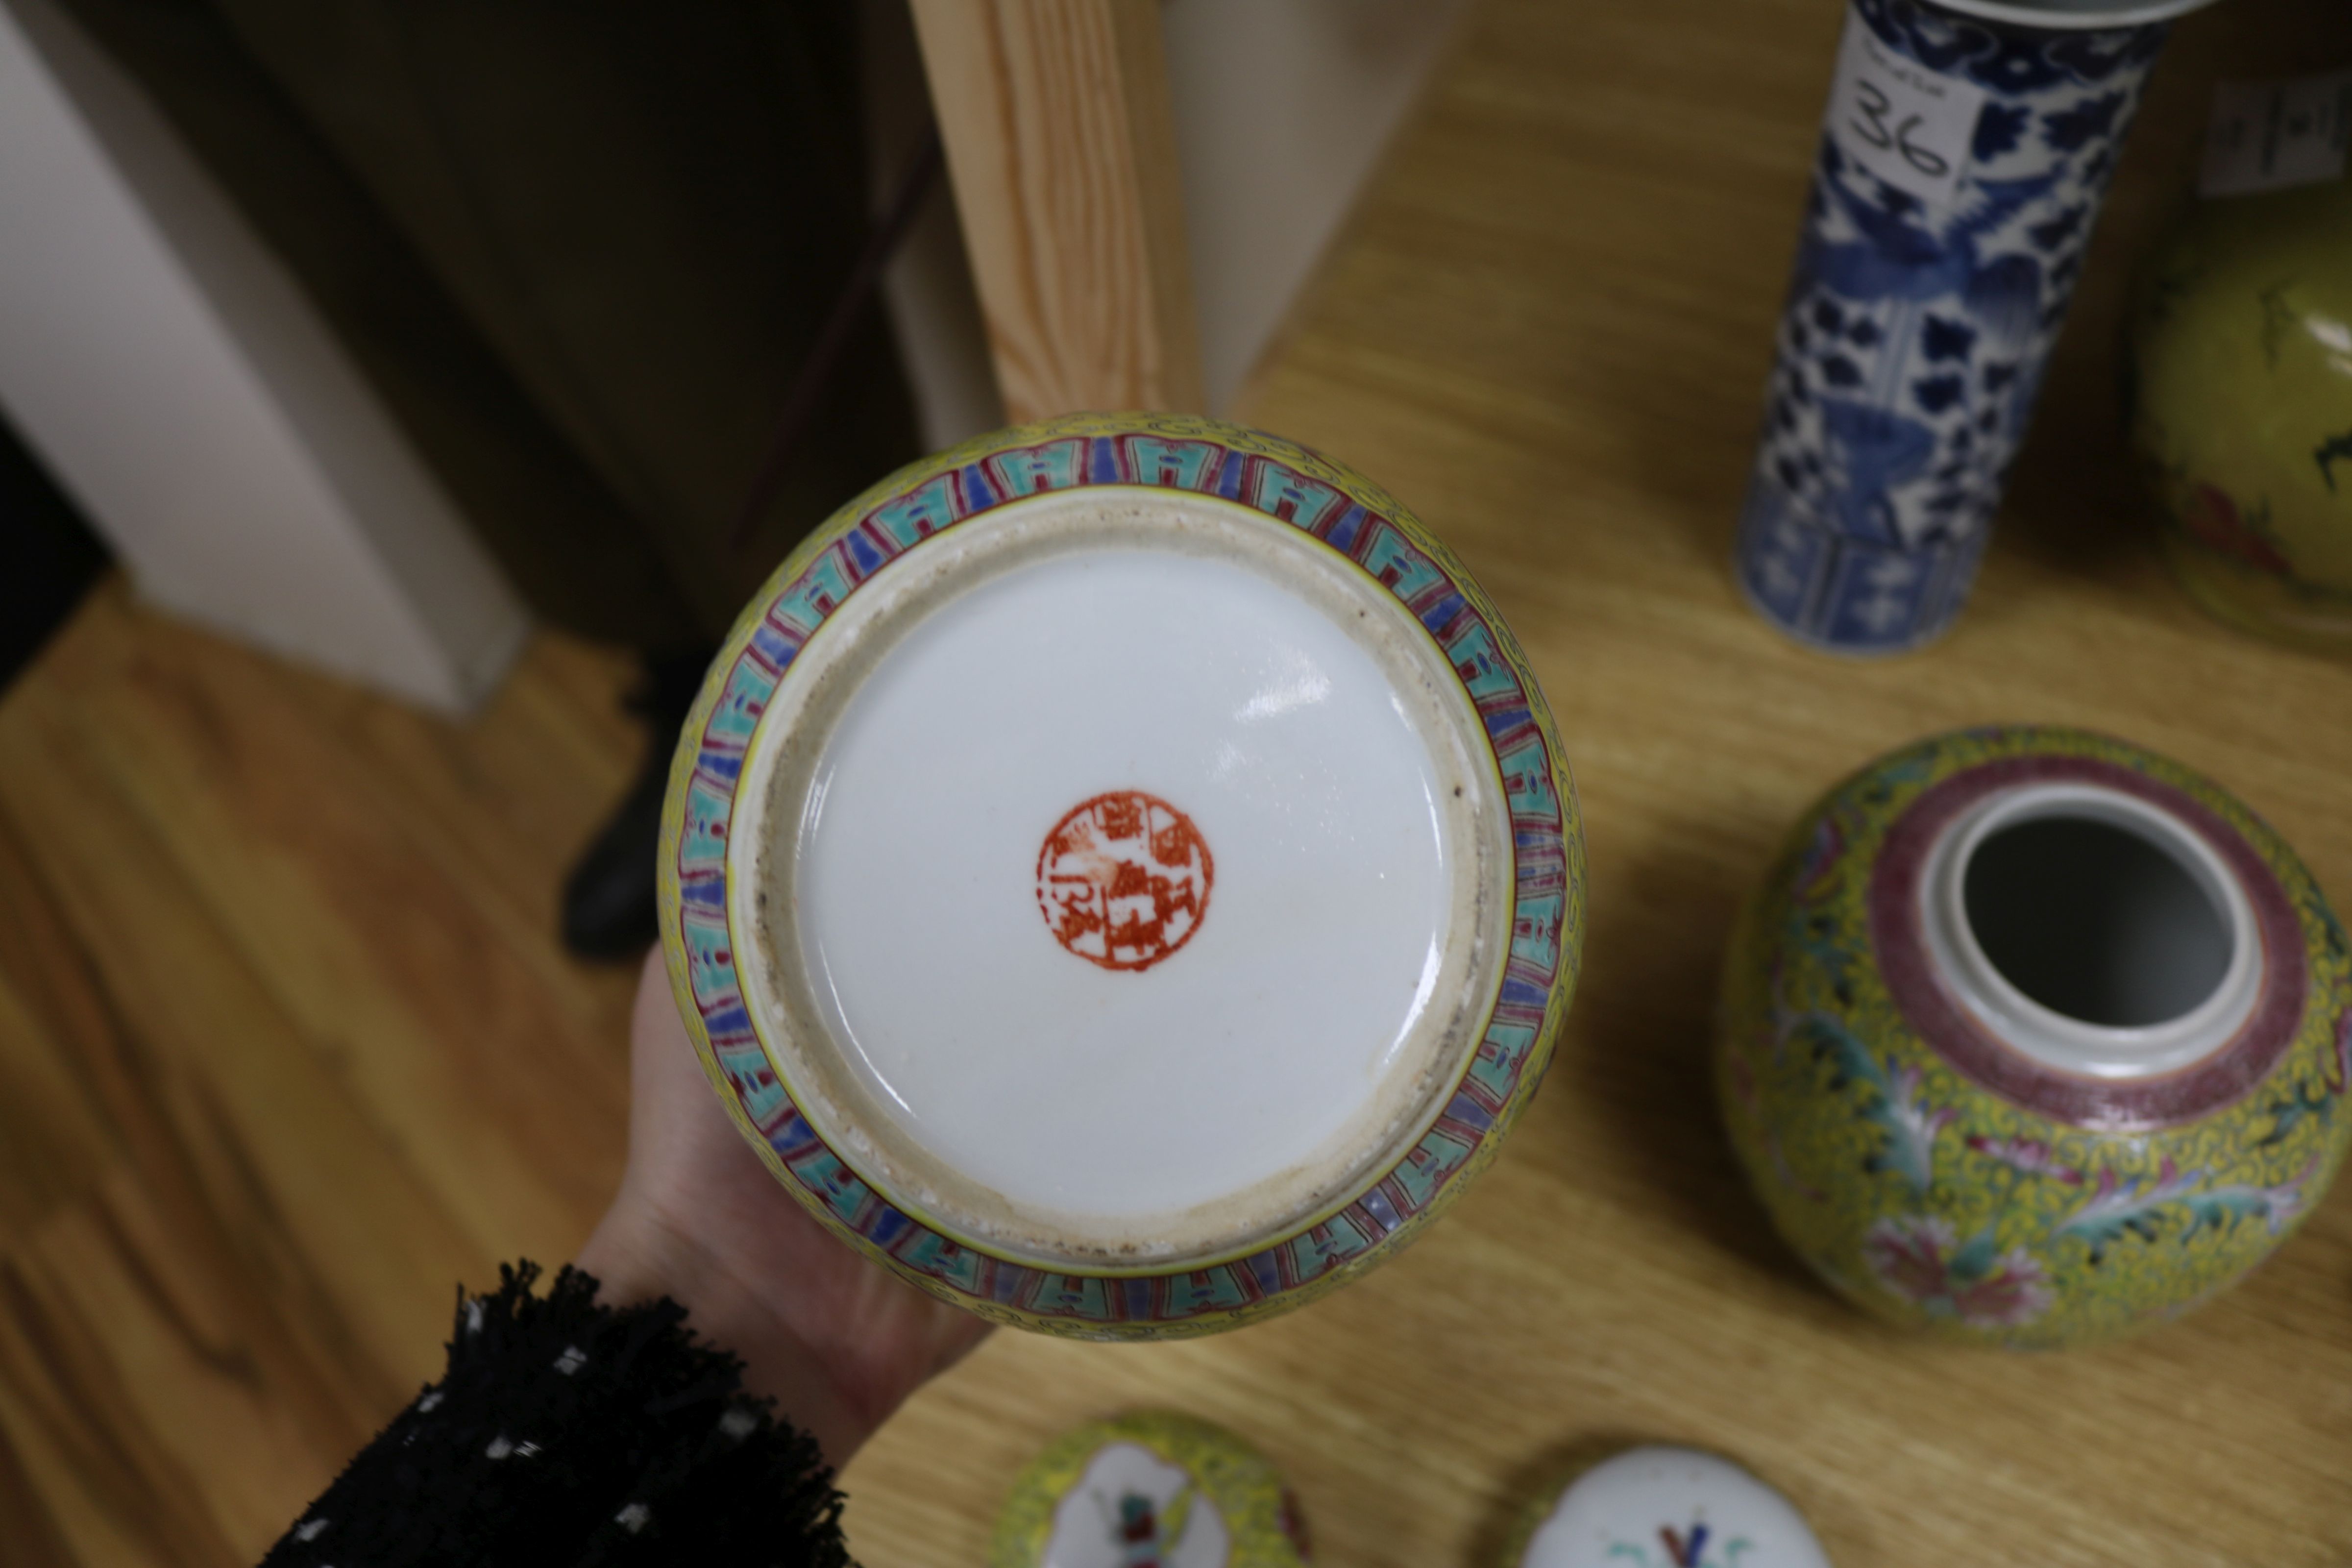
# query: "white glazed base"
937,1031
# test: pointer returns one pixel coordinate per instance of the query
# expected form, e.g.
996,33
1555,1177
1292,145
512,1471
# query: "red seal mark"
1124,880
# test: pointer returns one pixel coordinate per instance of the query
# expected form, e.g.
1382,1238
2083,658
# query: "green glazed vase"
2032,1038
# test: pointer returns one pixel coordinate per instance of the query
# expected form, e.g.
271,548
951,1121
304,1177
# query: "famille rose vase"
1150,1488
2033,1037
2239,394
1122,876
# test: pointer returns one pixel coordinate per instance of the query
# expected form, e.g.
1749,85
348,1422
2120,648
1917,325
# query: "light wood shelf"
286,1047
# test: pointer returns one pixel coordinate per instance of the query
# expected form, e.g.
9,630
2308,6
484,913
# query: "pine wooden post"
1062,152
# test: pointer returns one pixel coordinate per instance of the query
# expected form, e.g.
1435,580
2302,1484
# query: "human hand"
836,1340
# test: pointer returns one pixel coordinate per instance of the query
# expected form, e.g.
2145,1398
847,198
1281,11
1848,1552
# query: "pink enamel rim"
1954,1033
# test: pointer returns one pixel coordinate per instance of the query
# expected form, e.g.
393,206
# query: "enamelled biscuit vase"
1122,876
2034,1037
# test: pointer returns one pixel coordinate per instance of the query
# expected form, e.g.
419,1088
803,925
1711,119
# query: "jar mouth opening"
2092,931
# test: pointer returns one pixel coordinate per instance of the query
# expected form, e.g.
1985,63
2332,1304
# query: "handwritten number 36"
1873,129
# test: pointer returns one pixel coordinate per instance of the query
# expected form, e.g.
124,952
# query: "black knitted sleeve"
564,1432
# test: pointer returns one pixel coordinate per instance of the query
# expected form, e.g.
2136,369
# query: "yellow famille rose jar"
2033,1037
2239,375
1122,876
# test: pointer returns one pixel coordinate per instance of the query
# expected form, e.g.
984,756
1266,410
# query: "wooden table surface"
286,1047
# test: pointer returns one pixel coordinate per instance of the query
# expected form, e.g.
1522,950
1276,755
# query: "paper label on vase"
1908,125
2274,135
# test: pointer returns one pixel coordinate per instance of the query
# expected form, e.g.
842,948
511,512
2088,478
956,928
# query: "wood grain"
285,1048
256,1129
1062,149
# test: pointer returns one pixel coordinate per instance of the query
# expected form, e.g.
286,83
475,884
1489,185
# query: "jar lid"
1150,1486
1671,1507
